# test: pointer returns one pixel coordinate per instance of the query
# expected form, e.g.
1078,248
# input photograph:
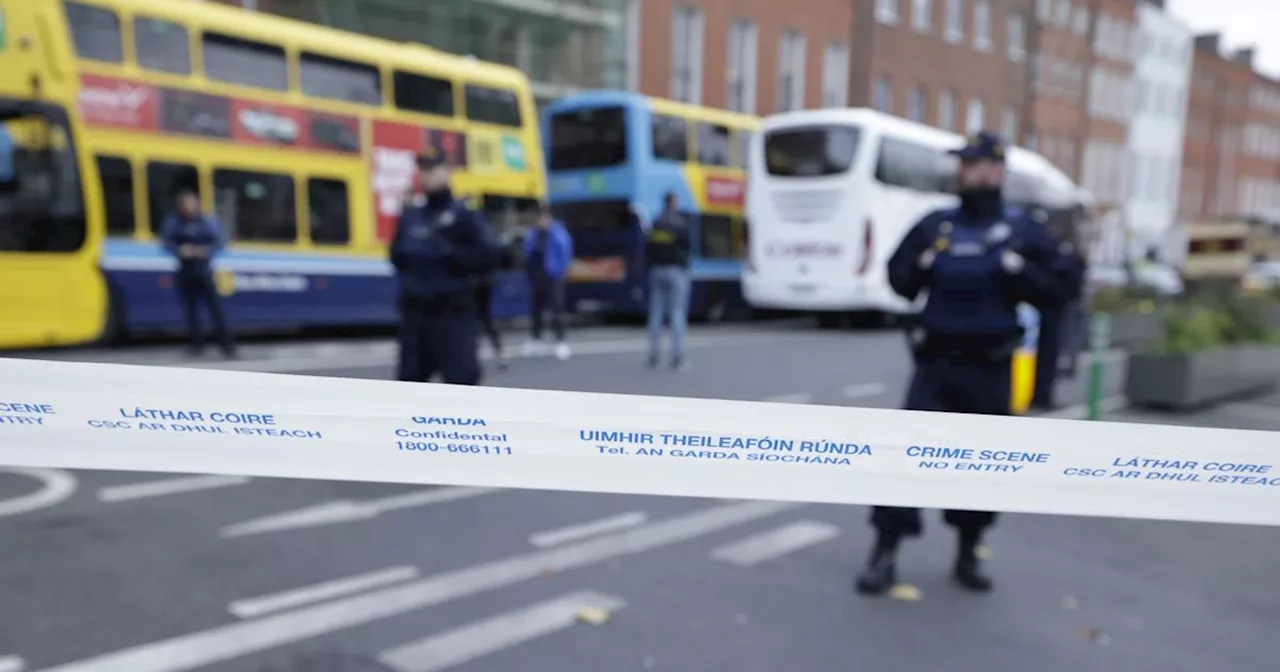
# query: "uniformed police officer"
441,251
1056,321
977,262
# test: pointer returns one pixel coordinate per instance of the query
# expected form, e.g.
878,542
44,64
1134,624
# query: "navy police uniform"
1055,323
442,250
194,279
977,262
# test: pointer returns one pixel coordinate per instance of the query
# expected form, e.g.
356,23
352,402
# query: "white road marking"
865,390
58,486
584,530
169,486
226,642
12,664
775,543
1247,411
265,604
1081,411
798,398
387,358
481,638
347,511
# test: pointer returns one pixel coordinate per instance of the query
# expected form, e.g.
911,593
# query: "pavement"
128,572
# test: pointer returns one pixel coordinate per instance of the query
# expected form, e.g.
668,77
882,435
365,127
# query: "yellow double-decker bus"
300,138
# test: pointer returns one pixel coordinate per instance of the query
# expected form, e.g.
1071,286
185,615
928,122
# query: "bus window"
744,149
670,138
117,194
419,93
330,210
715,237
236,61
41,207
811,152
161,46
594,215
916,167
335,79
256,207
588,138
714,145
164,182
96,32
493,106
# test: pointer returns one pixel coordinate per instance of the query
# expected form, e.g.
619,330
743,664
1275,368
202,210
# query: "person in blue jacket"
548,254
441,251
194,239
977,262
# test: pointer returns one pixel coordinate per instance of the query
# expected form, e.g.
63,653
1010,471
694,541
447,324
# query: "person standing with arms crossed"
977,262
194,239
667,251
548,253
441,251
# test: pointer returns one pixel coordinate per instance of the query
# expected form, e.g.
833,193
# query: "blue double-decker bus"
611,159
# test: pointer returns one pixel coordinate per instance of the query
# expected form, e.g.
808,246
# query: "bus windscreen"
813,151
588,138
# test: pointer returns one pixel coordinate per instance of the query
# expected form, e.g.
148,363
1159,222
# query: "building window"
1016,38
887,11
975,118
916,104
883,95
256,206
1009,124
982,25
791,53
922,15
1102,37
742,66
1080,25
686,54
946,110
1063,16
1044,10
835,76
955,21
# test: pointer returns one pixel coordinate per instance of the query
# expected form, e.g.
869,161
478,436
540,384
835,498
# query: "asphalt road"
126,572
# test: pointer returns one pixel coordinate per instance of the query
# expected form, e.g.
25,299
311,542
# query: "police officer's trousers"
941,384
193,290
439,336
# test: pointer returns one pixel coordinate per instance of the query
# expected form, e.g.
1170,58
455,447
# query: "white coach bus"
831,193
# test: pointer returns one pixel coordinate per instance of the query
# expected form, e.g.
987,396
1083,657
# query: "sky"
1242,23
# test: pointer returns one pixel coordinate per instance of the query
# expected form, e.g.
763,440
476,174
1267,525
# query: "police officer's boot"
966,572
881,571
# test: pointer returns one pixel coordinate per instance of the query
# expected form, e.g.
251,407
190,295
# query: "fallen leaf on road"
1096,635
905,592
984,553
1069,603
593,615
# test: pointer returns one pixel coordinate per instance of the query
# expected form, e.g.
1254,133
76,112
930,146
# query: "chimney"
1244,56
1209,42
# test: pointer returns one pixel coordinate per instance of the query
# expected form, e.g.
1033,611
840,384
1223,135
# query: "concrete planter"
1133,330
1176,381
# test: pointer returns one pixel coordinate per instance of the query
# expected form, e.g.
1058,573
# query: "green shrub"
1218,317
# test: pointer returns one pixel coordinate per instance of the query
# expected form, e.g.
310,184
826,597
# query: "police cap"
983,145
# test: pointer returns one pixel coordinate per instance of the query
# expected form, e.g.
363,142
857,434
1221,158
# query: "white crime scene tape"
116,417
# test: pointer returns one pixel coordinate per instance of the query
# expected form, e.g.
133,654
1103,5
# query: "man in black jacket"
667,250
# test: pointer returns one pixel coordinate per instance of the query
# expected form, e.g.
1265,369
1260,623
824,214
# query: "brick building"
751,56
1218,113
1062,55
1258,189
955,64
